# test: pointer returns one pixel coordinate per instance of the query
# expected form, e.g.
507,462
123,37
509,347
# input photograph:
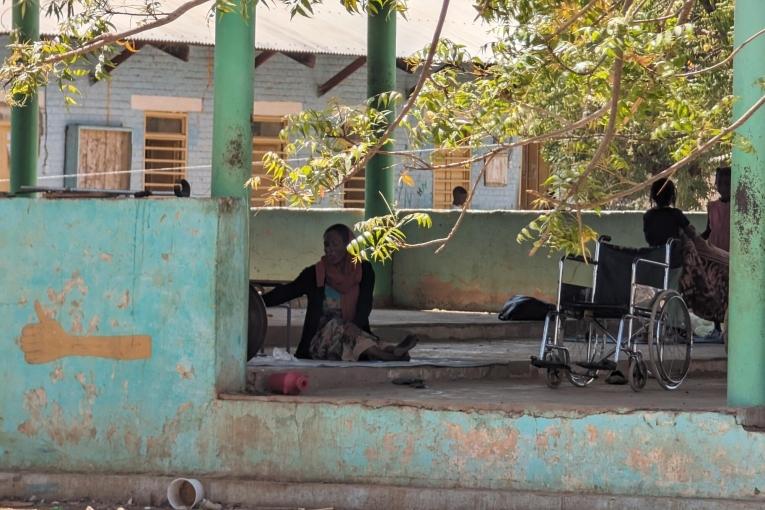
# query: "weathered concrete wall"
87,285
657,453
594,451
482,266
120,319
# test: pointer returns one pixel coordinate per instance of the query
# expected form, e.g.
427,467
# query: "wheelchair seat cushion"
597,310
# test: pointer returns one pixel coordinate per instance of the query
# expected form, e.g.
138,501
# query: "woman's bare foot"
406,345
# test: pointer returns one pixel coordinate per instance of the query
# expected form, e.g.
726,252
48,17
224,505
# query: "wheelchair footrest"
540,363
605,364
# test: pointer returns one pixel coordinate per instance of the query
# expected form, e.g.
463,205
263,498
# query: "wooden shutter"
98,157
534,172
496,170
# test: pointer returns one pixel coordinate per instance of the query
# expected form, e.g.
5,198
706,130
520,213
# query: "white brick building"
174,89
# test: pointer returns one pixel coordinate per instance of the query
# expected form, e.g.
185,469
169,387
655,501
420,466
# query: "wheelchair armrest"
651,262
663,265
578,258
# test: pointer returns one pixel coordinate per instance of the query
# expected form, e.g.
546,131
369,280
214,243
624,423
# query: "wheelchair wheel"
582,348
671,340
637,375
257,323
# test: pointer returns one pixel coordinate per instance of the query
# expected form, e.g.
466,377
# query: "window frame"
165,163
450,177
258,199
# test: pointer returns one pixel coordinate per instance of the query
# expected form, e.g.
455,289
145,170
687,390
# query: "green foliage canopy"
618,92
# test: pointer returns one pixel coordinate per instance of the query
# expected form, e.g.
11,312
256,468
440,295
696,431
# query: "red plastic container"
287,383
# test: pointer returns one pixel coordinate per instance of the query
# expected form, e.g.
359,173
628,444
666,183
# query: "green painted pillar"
233,72
381,77
233,96
24,119
746,350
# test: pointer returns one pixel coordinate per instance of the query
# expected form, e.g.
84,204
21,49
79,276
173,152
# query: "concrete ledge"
151,490
323,378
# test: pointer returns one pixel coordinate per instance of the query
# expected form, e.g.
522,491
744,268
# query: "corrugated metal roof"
330,31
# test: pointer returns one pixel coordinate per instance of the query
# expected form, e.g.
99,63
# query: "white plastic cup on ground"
185,493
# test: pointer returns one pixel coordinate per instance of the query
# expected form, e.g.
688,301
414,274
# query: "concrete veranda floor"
706,394
519,394
500,377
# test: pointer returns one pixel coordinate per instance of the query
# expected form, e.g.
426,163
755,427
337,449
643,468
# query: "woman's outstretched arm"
366,291
296,288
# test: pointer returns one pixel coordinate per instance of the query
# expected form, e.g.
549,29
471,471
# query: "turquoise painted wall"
548,448
170,269
480,269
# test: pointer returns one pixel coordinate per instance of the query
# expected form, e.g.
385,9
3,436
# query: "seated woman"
664,221
704,278
339,295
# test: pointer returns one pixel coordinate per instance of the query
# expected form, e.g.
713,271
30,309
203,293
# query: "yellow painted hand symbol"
46,341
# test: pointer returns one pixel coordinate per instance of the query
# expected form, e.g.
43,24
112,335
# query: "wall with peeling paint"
480,269
172,270
107,271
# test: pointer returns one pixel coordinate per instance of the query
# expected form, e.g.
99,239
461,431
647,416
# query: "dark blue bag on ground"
525,308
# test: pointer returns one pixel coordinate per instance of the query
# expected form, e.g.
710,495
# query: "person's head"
722,183
459,195
663,193
336,238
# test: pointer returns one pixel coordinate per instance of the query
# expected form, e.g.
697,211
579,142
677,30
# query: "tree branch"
726,59
669,171
111,37
685,12
442,242
565,26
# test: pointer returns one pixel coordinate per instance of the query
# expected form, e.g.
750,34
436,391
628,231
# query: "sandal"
413,382
616,377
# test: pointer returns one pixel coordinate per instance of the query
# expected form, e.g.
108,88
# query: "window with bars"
353,191
534,172
265,138
5,156
5,147
446,179
165,150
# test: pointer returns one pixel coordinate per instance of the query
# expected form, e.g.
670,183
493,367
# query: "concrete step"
430,325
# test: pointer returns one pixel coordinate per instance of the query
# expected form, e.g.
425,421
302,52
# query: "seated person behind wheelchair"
664,221
705,268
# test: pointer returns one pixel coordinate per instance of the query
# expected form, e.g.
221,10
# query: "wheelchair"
624,304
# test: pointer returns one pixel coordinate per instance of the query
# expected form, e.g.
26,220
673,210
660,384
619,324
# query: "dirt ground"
96,505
